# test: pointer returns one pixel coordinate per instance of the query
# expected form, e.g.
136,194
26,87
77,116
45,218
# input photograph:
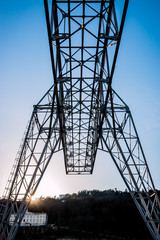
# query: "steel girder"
84,39
81,113
120,139
41,139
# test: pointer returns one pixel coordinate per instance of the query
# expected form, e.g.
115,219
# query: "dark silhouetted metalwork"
81,113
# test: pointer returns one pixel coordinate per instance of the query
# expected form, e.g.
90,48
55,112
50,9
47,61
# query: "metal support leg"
120,139
41,140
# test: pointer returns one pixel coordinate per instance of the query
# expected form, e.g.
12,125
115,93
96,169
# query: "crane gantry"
81,113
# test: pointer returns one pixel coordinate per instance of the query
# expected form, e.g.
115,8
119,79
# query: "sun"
33,198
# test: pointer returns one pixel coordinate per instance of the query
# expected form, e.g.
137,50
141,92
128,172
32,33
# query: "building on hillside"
31,219
62,196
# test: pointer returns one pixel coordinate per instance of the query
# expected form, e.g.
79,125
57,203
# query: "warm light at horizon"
33,198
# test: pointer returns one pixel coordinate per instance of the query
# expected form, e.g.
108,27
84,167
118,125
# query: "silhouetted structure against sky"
81,113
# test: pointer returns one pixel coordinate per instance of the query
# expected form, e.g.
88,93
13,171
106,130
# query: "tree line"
105,212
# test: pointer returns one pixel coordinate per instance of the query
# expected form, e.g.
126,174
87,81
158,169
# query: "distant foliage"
109,211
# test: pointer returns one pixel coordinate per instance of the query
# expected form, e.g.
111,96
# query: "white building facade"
31,219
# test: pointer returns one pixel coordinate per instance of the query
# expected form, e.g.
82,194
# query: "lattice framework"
81,113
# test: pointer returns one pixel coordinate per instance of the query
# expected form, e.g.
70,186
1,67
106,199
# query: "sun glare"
33,198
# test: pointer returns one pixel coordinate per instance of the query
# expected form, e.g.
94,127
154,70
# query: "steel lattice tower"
81,113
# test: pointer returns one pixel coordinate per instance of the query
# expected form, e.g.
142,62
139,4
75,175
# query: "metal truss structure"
81,113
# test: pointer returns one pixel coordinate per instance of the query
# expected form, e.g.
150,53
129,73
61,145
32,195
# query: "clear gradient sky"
25,75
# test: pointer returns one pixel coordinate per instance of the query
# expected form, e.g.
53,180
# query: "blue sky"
25,74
